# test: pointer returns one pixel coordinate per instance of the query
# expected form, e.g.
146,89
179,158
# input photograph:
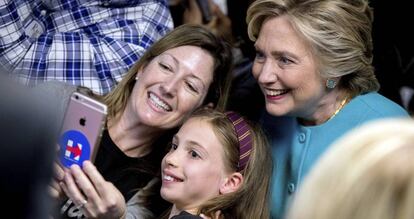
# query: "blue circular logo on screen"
74,148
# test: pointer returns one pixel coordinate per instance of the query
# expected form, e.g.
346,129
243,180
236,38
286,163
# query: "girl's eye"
194,154
173,147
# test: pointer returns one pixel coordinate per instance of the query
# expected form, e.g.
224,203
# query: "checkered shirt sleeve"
82,42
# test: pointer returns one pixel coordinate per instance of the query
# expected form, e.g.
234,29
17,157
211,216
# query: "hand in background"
192,13
220,24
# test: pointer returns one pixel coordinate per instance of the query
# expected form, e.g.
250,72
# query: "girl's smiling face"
193,170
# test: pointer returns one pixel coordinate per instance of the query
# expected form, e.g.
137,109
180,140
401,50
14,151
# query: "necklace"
344,101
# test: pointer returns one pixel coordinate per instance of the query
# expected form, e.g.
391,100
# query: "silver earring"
330,83
136,78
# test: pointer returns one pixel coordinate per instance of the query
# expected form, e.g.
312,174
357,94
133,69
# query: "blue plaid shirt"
82,42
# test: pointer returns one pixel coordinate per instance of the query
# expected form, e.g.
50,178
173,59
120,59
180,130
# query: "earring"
330,83
136,78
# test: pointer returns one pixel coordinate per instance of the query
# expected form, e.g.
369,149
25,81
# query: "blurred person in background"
28,134
89,43
368,173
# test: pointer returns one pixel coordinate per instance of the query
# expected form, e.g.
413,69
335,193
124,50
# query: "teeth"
159,103
168,178
171,179
276,92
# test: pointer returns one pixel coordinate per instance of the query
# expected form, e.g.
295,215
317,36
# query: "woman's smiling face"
287,71
172,86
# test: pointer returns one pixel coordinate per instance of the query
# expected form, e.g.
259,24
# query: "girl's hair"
368,173
251,199
184,35
337,31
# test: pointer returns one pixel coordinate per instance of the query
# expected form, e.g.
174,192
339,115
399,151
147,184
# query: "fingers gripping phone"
82,129
205,10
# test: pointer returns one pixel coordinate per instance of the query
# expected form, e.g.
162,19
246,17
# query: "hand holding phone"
81,130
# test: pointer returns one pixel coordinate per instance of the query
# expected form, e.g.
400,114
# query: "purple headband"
244,136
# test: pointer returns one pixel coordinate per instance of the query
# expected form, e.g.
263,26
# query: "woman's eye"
259,56
192,87
164,66
285,60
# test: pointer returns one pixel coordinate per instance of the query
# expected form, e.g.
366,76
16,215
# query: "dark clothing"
393,53
186,215
120,169
245,95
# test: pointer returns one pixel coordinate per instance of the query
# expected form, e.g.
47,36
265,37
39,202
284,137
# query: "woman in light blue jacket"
314,65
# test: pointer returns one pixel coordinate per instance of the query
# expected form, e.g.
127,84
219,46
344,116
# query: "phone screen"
81,130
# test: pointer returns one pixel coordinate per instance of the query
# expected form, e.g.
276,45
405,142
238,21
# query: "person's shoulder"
186,215
380,105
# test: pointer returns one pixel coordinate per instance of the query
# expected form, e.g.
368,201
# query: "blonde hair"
251,200
338,31
184,35
369,173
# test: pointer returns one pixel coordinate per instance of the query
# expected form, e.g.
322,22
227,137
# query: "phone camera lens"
82,121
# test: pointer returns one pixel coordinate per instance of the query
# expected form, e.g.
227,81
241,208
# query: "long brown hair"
185,35
251,200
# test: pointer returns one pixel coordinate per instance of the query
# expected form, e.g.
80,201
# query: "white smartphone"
82,129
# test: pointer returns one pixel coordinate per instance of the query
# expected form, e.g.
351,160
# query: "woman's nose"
170,87
267,73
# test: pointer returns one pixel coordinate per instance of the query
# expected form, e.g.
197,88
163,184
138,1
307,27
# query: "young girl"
217,162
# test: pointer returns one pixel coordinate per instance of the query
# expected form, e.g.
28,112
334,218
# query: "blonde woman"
369,173
314,66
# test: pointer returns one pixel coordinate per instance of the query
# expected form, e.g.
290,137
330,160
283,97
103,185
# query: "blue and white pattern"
82,42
